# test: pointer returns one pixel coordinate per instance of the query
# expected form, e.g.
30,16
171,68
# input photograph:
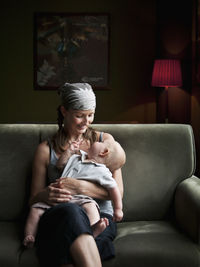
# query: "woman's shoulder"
105,136
42,151
43,146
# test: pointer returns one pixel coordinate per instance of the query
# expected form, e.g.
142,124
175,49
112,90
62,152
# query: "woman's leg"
65,237
84,252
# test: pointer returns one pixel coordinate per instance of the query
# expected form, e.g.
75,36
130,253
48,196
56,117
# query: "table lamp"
166,73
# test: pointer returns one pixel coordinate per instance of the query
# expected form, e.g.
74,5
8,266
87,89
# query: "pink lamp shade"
166,73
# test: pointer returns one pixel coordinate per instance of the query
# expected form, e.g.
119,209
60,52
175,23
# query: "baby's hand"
118,215
74,146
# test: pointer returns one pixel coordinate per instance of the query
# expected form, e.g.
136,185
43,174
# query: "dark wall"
174,31
132,51
195,95
141,30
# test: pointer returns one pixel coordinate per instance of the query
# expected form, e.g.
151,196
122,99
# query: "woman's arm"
39,191
83,187
117,175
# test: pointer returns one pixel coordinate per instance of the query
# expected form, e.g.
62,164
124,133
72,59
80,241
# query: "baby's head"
109,153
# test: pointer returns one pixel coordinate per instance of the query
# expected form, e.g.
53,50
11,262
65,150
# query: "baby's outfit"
79,167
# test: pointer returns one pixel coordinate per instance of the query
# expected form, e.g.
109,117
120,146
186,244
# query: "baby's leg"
31,226
98,225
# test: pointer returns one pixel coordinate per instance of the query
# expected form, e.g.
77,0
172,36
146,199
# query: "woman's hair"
60,139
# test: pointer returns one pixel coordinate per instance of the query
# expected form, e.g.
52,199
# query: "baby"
95,166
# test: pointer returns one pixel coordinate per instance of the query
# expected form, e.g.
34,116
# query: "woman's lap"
60,226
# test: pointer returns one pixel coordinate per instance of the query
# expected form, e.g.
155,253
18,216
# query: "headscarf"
77,96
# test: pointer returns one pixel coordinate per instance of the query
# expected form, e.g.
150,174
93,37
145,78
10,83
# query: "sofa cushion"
10,244
153,243
28,258
142,244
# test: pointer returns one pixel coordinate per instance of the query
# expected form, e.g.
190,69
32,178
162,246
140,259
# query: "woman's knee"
68,209
64,211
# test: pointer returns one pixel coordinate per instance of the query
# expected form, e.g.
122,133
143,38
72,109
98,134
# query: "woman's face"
77,121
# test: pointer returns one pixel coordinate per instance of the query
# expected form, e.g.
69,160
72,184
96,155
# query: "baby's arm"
117,203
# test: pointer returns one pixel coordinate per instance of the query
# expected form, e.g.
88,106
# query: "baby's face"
95,149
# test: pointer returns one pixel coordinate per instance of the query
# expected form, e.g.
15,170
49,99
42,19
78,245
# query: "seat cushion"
153,244
138,244
12,252
28,258
10,244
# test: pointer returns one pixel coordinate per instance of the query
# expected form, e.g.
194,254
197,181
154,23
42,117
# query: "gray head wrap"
78,96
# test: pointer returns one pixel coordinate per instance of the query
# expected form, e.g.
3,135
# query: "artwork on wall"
71,48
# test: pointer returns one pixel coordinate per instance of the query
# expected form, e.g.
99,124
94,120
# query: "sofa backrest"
159,156
17,147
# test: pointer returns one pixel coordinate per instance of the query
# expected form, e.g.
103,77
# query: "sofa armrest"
187,207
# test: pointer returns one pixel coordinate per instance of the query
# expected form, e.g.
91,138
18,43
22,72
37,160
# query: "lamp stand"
166,105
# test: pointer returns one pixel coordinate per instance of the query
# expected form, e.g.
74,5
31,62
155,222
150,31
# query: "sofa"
161,194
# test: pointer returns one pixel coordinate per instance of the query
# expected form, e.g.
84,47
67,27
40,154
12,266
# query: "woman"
64,234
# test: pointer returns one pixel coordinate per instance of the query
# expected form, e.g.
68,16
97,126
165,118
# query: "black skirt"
60,225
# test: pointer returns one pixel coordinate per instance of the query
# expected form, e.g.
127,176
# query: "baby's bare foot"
100,226
29,241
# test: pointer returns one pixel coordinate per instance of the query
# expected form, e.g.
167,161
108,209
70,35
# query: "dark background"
141,31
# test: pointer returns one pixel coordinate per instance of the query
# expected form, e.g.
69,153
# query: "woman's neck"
75,138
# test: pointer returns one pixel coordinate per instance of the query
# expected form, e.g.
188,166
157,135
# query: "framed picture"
71,48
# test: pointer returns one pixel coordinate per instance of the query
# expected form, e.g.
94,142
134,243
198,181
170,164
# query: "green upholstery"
17,146
153,243
9,243
158,158
161,198
187,207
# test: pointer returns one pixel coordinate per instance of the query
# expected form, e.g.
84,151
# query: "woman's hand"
68,184
56,195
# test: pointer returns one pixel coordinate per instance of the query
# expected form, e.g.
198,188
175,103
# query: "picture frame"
71,47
